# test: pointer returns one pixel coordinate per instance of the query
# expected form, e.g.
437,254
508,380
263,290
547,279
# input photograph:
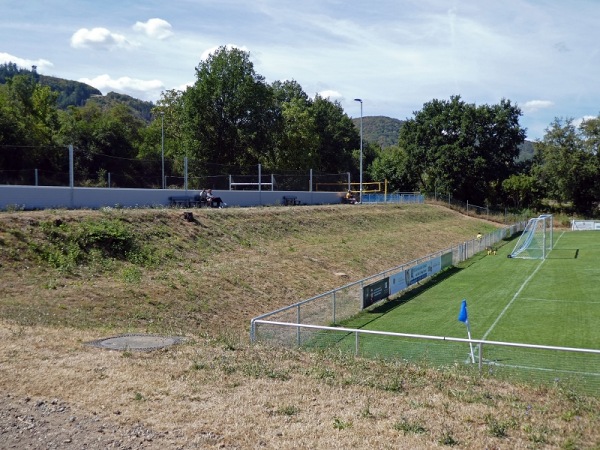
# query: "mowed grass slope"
151,270
69,277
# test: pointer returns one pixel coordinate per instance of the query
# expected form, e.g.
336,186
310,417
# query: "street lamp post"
361,148
162,145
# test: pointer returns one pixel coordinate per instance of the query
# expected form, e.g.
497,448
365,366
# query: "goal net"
536,240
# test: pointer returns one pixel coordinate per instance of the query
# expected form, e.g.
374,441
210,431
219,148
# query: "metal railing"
577,369
346,301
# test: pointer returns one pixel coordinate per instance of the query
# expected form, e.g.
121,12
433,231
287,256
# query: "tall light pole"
162,145
361,149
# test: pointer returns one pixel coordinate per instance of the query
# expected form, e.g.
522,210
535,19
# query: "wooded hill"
75,93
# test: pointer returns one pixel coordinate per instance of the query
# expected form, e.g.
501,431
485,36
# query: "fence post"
356,343
480,357
298,327
36,177
334,307
185,173
71,174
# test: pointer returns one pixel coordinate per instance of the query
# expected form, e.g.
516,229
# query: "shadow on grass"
563,253
366,317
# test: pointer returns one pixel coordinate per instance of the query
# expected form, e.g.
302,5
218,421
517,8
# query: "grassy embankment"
73,276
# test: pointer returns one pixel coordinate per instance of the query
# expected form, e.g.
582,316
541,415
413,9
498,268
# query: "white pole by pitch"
470,343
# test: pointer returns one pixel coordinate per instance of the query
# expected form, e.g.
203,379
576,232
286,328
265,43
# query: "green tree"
105,141
170,116
566,162
296,142
391,164
230,110
522,191
338,137
28,124
462,149
34,107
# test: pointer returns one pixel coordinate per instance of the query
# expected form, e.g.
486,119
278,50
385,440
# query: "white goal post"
536,241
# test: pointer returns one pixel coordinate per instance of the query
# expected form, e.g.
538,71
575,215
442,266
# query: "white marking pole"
470,343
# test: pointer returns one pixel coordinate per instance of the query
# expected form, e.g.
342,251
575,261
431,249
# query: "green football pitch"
552,302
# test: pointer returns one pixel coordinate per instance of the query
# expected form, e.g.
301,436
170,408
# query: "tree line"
230,120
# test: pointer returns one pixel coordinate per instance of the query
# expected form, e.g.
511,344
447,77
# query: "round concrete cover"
140,342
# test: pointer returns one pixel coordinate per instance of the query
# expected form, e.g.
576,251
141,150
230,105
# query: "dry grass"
216,390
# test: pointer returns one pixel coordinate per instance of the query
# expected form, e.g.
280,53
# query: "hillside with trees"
231,120
69,93
139,108
74,93
380,130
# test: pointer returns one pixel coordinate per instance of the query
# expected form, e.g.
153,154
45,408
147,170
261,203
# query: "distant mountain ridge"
384,131
76,93
381,130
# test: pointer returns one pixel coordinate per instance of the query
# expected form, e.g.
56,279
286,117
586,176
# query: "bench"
186,201
290,200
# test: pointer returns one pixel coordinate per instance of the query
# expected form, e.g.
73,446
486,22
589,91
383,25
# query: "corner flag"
463,316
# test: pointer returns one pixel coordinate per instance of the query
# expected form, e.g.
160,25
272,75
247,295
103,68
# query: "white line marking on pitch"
516,295
562,300
512,300
544,369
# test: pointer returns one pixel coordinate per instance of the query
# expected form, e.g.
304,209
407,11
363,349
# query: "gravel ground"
27,423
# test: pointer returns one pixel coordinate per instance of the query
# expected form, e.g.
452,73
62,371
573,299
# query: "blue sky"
396,55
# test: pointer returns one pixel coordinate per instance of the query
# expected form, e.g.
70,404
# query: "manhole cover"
139,342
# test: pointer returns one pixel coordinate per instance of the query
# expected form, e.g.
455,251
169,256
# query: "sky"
395,55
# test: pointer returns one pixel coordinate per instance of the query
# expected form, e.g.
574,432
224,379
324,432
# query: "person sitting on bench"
350,198
201,198
213,201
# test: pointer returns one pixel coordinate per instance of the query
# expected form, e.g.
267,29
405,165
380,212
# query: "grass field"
551,302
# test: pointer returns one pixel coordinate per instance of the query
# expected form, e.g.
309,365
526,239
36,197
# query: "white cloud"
535,105
154,28
99,38
579,122
127,85
328,93
42,64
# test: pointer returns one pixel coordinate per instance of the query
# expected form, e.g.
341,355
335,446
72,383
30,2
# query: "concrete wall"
44,197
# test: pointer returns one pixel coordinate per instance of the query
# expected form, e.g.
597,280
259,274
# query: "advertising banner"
435,265
446,260
375,292
417,273
398,282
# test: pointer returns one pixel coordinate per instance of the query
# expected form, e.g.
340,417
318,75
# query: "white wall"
44,197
